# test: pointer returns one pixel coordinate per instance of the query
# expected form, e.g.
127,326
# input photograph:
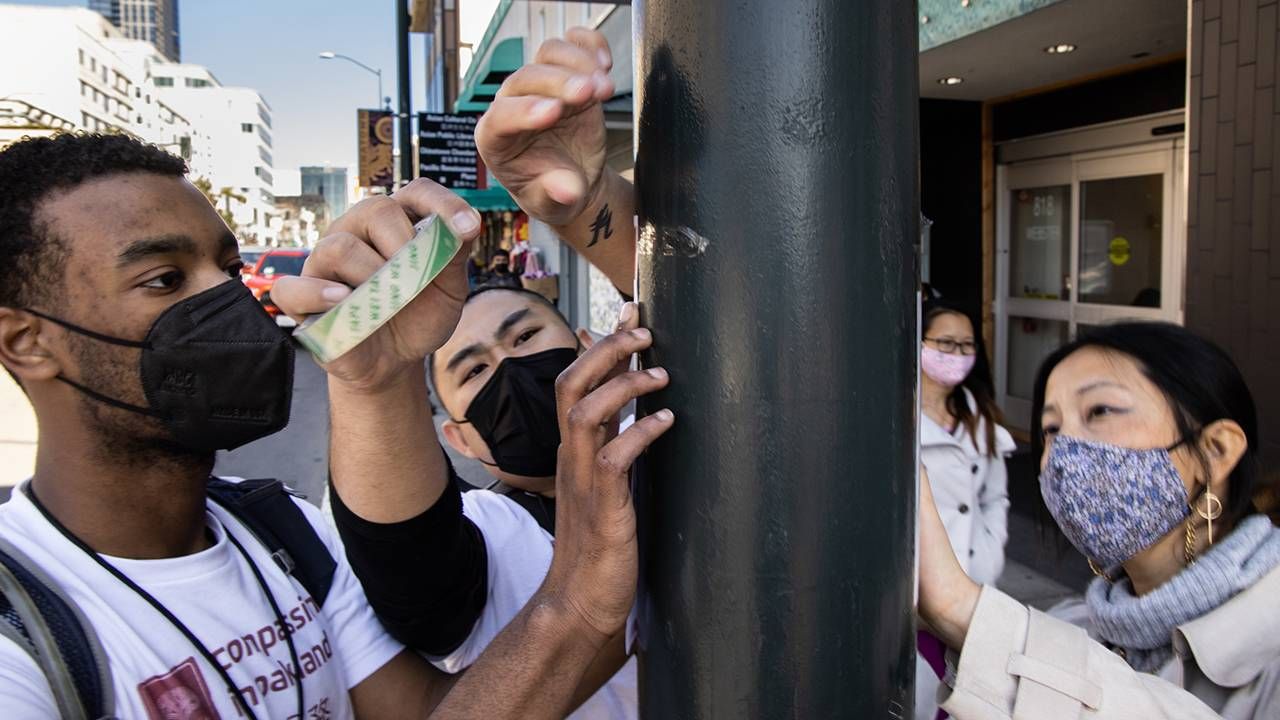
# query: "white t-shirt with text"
519,556
157,673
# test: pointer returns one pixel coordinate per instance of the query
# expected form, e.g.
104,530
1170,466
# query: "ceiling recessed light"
952,80
1060,49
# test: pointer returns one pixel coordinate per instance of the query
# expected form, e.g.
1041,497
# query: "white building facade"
68,68
237,155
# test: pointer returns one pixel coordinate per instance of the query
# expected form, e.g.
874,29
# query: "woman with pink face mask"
962,446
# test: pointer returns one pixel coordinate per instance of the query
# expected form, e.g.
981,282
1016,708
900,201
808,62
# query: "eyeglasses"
950,346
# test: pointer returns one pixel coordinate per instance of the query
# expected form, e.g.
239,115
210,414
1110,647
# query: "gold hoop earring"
1099,571
1189,544
1212,510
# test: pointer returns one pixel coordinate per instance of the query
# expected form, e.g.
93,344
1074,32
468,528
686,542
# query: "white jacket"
970,488
1021,663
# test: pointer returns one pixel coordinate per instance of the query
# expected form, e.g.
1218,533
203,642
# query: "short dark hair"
1198,379
33,259
483,289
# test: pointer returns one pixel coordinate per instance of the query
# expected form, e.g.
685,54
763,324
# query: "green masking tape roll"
332,334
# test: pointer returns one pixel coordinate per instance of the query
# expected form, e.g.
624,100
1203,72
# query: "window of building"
246,127
81,51
164,81
196,82
93,64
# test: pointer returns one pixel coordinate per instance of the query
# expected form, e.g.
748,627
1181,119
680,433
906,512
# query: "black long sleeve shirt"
425,577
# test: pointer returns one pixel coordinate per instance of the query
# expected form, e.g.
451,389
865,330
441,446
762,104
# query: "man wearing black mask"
123,319
500,274
496,376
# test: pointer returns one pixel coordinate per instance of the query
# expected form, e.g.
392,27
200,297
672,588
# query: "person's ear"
453,435
585,339
24,350
1223,443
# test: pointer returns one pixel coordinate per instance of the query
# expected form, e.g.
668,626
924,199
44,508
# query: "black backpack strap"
41,619
267,508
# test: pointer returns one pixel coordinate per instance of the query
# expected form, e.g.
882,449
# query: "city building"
155,120
70,69
153,21
236,127
300,220
329,183
437,20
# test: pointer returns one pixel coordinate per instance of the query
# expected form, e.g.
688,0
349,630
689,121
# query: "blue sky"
272,46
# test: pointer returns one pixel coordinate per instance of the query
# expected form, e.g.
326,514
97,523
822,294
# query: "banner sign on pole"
377,141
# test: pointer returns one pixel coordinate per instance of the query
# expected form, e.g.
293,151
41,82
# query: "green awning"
481,86
488,199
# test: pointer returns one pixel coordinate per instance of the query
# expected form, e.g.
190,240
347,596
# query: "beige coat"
1020,663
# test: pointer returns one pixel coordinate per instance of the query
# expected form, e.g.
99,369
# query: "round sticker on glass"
1119,250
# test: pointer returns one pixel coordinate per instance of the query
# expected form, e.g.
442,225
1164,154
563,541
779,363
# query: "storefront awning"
489,199
481,87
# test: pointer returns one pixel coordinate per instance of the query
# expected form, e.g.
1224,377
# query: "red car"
273,264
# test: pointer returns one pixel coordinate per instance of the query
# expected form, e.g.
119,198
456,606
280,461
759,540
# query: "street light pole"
329,55
776,176
407,161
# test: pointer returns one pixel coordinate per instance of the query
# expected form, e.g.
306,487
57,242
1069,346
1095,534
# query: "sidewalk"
17,436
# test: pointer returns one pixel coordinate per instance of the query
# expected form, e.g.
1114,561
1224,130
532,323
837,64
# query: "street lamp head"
328,55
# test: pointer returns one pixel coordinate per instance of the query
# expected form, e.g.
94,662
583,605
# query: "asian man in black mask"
495,378
496,374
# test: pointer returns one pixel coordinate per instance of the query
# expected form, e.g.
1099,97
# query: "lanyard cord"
178,624
285,628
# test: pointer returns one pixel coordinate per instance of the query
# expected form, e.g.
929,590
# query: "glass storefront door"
1082,240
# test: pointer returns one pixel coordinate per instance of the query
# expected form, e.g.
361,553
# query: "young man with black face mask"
495,378
123,319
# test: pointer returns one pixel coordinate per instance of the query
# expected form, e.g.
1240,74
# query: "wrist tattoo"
602,225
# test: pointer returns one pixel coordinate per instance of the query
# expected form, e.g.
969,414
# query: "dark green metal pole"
777,184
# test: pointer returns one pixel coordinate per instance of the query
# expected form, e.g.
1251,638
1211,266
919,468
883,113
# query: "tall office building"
155,21
329,183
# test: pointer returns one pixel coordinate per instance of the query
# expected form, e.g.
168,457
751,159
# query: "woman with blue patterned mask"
1147,437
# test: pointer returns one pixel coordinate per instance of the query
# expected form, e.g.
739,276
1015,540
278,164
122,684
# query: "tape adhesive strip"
332,334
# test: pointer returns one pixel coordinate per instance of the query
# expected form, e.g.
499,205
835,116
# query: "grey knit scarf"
1143,626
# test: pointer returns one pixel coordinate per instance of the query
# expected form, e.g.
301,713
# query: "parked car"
274,264
249,255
